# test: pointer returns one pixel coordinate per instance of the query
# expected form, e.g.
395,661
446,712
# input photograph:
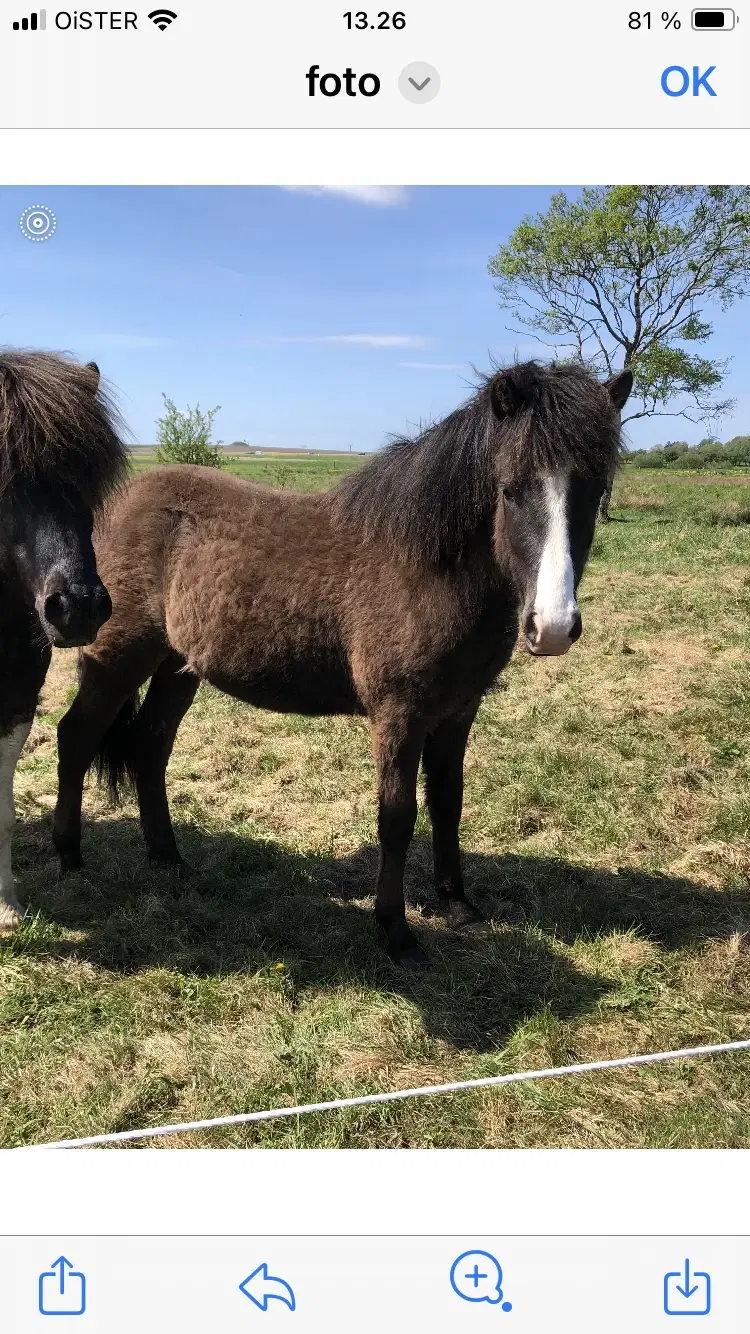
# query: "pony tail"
114,764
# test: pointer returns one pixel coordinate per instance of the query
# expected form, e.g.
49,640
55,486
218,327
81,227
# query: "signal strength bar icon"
35,23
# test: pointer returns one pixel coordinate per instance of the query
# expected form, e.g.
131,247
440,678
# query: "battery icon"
714,20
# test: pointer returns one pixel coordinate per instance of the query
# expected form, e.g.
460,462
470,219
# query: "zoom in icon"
38,223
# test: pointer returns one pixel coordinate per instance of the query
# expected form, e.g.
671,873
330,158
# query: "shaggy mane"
426,496
58,425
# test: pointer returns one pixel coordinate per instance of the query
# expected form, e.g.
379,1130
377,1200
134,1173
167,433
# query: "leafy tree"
711,451
185,437
626,275
737,451
675,449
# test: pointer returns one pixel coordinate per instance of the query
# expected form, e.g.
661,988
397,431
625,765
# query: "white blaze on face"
11,746
555,608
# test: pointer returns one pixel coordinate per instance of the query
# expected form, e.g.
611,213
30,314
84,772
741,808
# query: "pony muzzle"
73,615
551,637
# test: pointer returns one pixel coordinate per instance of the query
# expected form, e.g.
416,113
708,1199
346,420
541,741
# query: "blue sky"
314,318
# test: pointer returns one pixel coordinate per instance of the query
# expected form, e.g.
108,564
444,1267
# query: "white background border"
376,1192
387,157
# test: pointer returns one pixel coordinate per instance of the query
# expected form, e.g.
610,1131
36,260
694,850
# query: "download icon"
687,1292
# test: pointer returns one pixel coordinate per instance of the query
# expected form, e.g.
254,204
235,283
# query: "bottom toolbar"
586,1284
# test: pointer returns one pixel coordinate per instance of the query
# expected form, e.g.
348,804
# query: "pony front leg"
11,745
397,743
443,763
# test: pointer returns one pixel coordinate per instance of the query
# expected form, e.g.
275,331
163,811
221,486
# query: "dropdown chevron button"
419,82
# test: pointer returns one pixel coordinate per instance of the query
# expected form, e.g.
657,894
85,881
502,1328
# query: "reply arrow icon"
262,1288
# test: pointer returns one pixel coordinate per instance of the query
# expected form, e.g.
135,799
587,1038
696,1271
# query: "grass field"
607,831
300,474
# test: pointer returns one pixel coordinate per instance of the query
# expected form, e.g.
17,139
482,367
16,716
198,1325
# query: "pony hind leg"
397,743
443,764
168,698
11,745
106,692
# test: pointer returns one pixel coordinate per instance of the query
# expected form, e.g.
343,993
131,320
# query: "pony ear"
619,388
511,391
95,376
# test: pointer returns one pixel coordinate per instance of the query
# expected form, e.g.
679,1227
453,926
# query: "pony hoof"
403,948
70,861
411,957
10,917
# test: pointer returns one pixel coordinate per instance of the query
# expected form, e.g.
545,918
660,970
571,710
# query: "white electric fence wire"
372,1099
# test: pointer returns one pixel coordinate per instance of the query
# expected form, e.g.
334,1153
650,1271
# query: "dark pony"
396,595
60,458
423,495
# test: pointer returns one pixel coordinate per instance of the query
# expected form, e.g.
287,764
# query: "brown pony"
396,595
60,456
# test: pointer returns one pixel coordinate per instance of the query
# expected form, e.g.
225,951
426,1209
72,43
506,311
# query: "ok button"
677,81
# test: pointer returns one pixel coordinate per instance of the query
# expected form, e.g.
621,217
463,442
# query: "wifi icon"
162,17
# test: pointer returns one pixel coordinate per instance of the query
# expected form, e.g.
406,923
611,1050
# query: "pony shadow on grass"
248,904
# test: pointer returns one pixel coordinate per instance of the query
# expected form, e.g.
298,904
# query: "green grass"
299,474
607,832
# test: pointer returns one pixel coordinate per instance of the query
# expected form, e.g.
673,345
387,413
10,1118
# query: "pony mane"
58,425
427,495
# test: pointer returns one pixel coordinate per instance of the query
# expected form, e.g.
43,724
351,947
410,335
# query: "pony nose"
77,612
552,639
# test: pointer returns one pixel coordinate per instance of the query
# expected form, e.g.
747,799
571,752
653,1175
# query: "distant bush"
710,453
653,459
675,449
737,451
185,437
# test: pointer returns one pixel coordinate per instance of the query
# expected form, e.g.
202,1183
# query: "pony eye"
512,495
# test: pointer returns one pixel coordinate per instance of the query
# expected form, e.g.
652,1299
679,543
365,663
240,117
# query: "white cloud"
377,340
433,365
361,340
377,196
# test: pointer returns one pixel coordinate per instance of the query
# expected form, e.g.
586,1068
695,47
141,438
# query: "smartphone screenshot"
374,667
